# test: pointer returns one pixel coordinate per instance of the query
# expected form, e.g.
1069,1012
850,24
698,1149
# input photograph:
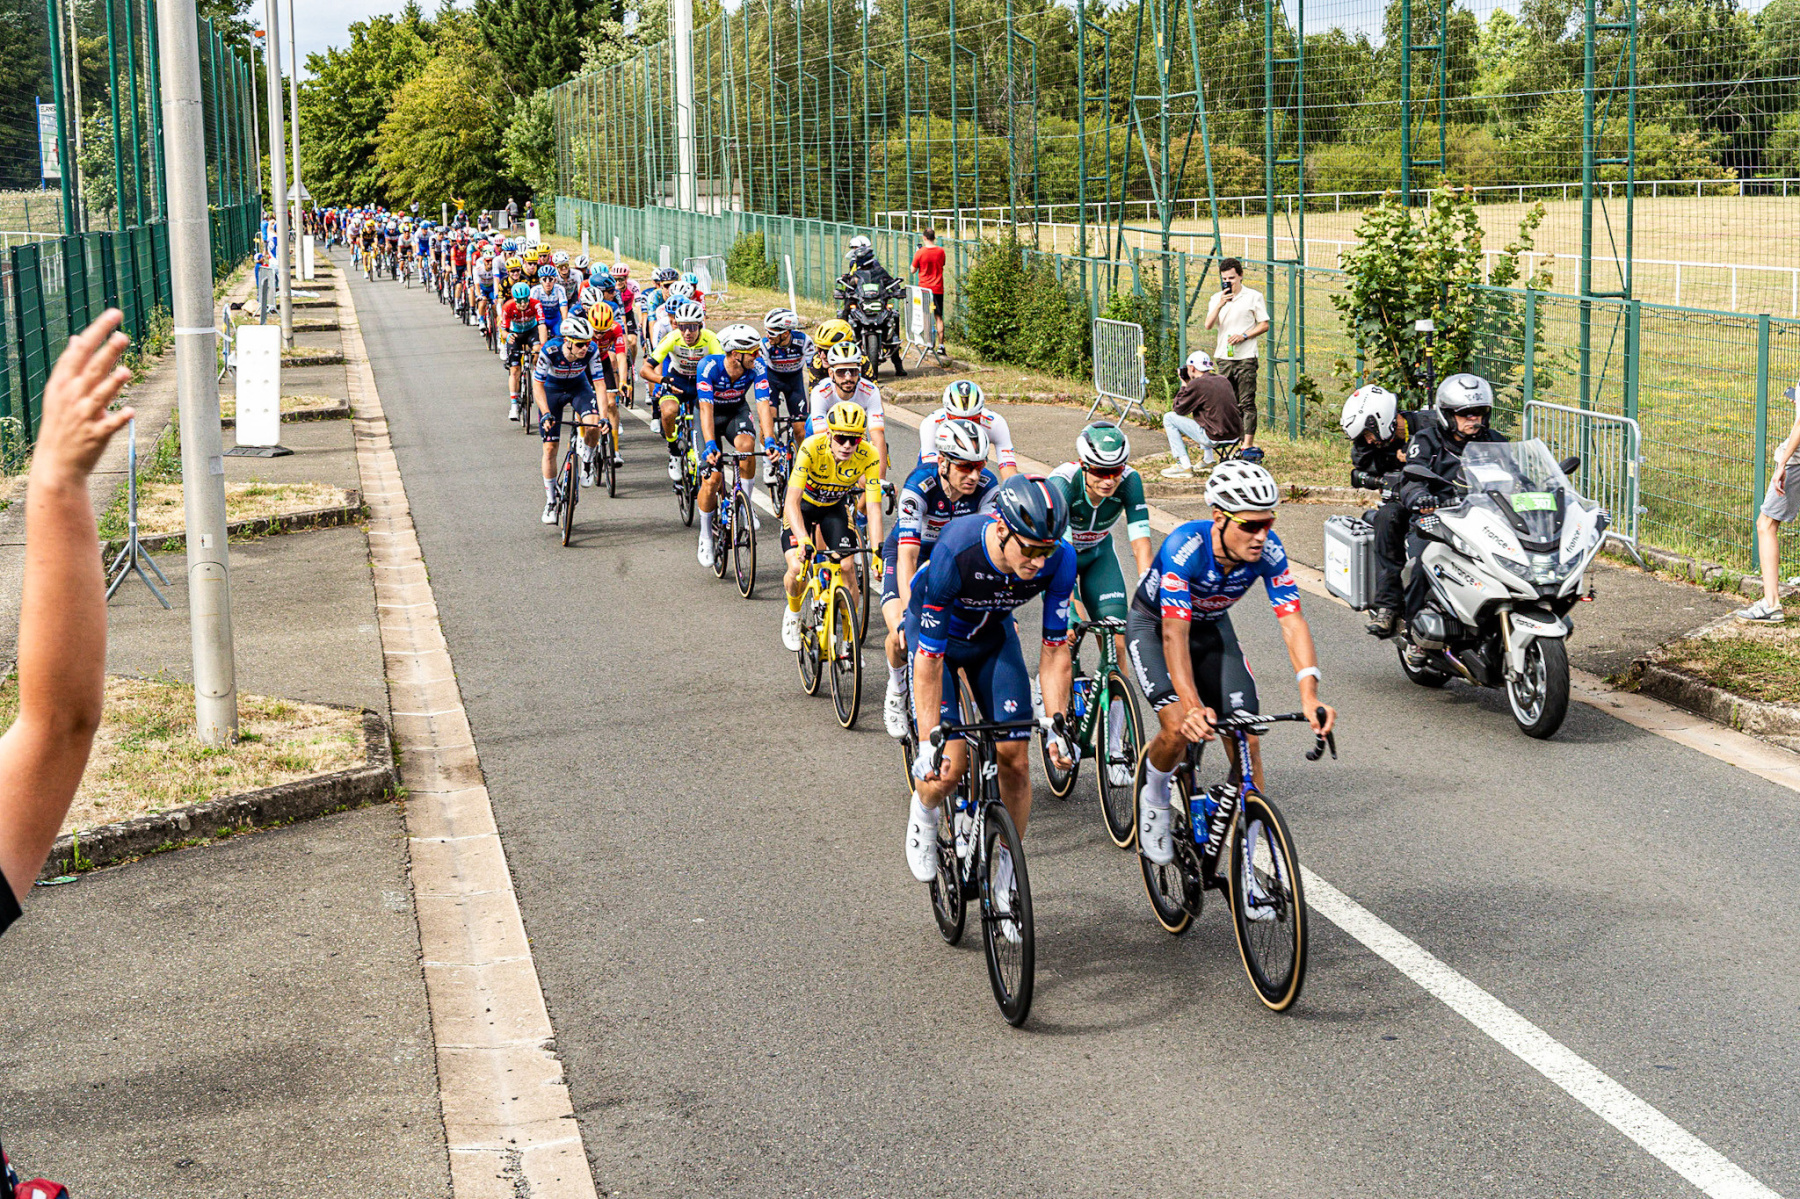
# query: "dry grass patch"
1303,464
160,507
1759,668
146,758
289,404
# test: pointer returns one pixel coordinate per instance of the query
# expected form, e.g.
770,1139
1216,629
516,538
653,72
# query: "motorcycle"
868,306
1505,566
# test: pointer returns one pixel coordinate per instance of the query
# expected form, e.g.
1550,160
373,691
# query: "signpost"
50,165
259,392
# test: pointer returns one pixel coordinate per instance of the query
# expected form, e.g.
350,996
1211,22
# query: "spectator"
1779,506
62,615
1241,318
512,211
928,267
1206,413
529,214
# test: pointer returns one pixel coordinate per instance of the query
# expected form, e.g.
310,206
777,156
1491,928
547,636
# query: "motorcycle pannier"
1350,560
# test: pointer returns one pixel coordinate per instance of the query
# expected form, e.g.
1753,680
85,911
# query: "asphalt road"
752,999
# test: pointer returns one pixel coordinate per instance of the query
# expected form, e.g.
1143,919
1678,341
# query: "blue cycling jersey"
925,508
788,359
713,385
962,595
553,299
1185,582
553,369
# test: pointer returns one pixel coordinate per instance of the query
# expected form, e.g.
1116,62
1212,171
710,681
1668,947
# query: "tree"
442,136
24,76
349,96
529,148
537,43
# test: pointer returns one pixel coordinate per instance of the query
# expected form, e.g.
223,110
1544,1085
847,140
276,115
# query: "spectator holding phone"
1241,317
62,613
1780,504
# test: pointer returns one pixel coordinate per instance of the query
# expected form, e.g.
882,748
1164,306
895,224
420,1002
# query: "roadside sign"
259,385
531,232
51,166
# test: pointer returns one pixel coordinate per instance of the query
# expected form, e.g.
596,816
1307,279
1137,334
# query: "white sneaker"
705,553
790,633
1002,884
921,842
1762,612
1178,471
674,470
512,413
1154,841
618,458
1119,774
590,471
1257,907
893,712
549,516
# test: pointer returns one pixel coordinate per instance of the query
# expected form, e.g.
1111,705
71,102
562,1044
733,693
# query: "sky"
319,24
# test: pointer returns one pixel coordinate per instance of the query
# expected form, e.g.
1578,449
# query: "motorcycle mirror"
1570,465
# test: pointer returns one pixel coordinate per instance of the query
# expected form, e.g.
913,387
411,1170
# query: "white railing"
18,237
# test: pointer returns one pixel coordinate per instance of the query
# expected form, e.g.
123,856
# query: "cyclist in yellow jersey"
829,469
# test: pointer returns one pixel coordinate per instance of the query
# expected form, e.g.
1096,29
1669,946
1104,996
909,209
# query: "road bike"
734,525
406,270
490,327
368,264
829,634
567,492
1233,838
1099,703
687,484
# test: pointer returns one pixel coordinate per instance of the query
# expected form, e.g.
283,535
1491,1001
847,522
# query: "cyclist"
366,237
725,385
1182,646
957,484
609,344
960,620
1100,488
964,400
522,320
550,294
670,371
565,278
404,249
845,381
830,467
784,353
564,378
693,281
620,274
829,334
391,247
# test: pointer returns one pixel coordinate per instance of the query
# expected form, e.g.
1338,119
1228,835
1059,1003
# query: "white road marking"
1654,1132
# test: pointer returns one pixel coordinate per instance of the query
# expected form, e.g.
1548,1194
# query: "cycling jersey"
552,298
673,355
825,481
925,507
961,595
993,422
1185,582
1091,521
518,316
822,397
788,359
661,327
554,370
714,385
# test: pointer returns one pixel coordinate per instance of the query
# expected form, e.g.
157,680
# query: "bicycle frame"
1239,728
1103,630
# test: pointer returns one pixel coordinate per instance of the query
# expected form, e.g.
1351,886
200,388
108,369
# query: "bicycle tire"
812,662
608,446
1061,781
721,540
571,491
743,546
1173,889
528,415
1118,805
687,491
1274,951
949,905
862,595
846,659
1012,987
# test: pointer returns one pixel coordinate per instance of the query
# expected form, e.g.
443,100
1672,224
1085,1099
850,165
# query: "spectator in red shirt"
928,266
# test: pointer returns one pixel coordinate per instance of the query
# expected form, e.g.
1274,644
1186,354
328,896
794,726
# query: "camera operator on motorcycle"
1465,403
1378,433
864,270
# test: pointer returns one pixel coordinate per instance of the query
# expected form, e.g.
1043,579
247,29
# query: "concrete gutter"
375,781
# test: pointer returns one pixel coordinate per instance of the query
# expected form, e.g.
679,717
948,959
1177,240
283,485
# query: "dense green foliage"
747,264
1015,310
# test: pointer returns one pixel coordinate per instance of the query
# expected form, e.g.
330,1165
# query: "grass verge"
160,508
1759,668
146,758
289,405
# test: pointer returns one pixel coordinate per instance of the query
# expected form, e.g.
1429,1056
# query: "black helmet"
1032,508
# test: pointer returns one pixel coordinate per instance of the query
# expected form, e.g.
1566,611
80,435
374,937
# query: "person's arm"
1000,435
1213,306
872,510
940,586
1137,523
1055,663
1783,453
790,507
62,613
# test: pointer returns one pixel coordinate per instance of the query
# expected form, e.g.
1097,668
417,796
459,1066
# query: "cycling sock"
897,677
1115,728
1157,783
705,523
924,815
793,603
549,488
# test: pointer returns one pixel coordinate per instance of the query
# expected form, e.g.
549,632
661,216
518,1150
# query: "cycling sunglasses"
1033,549
845,372
571,344
1105,472
848,440
1252,527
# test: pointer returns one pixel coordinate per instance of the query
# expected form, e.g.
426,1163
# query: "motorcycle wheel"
871,349
1540,699
1425,676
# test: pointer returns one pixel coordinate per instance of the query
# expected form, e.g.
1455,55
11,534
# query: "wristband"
1300,675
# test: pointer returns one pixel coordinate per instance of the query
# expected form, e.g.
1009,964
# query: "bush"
1023,314
991,289
748,265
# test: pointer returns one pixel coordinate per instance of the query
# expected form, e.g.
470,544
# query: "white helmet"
858,245
781,320
1370,408
1461,392
961,441
739,337
1199,360
581,262
1238,486
964,399
687,313
679,291
560,258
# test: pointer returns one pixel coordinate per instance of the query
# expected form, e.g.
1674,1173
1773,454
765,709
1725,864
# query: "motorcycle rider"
1465,403
865,268
1378,433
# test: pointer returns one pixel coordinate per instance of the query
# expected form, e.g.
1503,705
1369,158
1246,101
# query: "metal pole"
294,118
118,150
196,358
256,128
682,12
137,134
278,172
65,166
74,54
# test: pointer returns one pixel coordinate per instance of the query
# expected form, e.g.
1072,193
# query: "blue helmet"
606,283
1032,508
521,291
691,279
546,272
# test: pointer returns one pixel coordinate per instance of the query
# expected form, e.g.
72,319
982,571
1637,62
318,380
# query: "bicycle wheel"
743,546
608,445
1118,804
811,657
948,904
846,659
1012,964
1174,889
603,461
862,592
1061,781
687,491
721,540
1269,912
569,489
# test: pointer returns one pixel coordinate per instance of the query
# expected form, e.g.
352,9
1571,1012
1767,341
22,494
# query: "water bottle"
1078,697
965,831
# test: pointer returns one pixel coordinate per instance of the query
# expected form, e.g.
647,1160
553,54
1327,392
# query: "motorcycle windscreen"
1523,479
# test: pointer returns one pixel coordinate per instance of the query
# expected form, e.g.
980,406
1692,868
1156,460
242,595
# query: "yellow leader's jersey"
825,481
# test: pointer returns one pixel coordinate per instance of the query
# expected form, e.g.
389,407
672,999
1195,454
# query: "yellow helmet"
832,332
600,316
847,416
515,264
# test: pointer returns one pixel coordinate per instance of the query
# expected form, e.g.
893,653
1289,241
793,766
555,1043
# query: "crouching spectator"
1206,413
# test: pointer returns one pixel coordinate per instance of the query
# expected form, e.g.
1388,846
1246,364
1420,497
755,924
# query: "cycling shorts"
1102,585
729,421
995,669
1221,675
578,395
789,394
831,526
487,288
683,387
521,347
553,323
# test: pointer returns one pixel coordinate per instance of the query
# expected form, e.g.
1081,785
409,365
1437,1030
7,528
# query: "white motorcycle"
1505,566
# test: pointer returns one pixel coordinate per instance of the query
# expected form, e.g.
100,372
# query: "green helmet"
1103,445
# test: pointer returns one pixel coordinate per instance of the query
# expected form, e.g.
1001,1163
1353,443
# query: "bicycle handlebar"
1250,722
1056,724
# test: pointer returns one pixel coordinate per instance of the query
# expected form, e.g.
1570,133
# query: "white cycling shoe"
790,631
921,842
674,470
1257,906
513,413
1154,841
1002,884
1119,774
705,553
549,516
893,712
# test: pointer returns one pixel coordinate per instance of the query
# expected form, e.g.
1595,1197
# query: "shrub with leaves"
747,264
991,289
